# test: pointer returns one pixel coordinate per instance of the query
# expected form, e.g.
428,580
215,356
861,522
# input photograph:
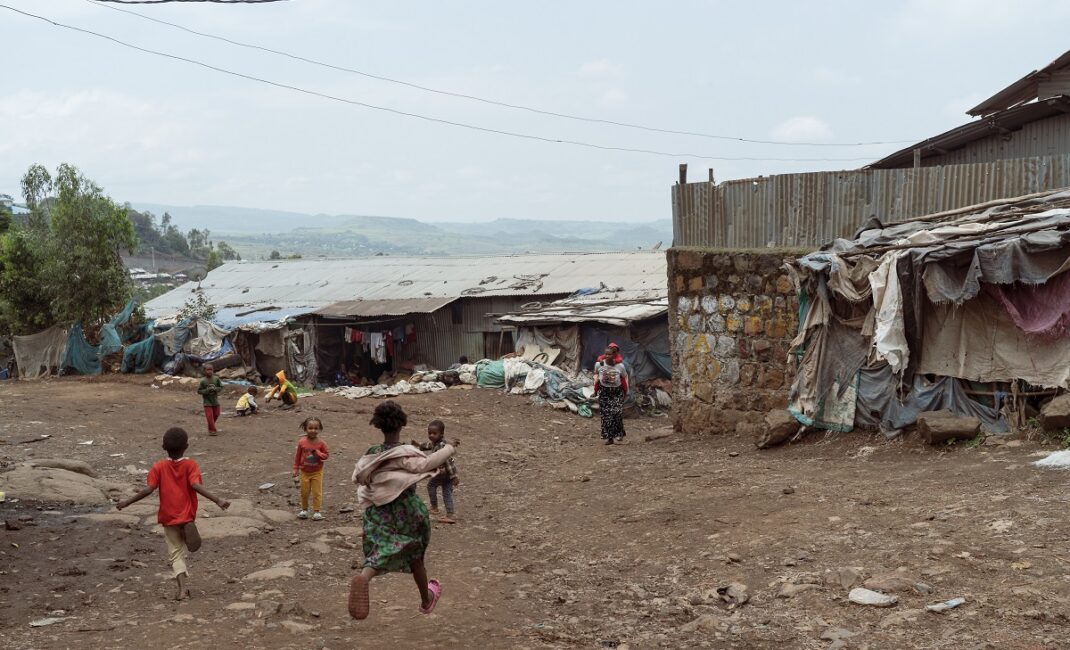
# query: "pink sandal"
435,587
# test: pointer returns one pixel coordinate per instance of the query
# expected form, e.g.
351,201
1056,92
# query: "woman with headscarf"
611,387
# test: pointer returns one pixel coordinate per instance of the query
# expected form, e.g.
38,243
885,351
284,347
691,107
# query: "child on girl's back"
308,464
397,527
209,388
179,481
446,479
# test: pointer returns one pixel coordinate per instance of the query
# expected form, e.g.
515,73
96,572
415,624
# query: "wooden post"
683,173
712,181
917,158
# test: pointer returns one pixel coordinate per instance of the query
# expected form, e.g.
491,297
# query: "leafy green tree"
214,260
197,307
275,255
227,252
64,265
5,218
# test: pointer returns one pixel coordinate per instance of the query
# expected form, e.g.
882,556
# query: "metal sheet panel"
401,307
808,210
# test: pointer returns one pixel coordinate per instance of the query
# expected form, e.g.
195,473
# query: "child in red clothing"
308,464
179,481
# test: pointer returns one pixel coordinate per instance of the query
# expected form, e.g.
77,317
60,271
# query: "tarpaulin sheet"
81,356
490,374
112,334
879,405
1037,309
647,358
142,357
979,341
37,354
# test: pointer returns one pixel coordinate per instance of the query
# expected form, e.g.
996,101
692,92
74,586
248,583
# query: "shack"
381,315
966,310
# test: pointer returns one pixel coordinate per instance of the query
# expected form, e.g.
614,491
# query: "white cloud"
600,69
802,128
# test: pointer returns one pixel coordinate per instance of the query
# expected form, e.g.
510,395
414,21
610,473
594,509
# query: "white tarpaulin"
37,354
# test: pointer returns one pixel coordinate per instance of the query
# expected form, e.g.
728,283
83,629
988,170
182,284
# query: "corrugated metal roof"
319,283
399,307
999,123
1023,90
614,309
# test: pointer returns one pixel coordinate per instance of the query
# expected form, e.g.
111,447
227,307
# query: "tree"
64,266
197,307
214,260
5,218
227,252
275,255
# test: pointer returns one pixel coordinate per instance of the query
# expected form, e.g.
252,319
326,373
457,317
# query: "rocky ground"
562,542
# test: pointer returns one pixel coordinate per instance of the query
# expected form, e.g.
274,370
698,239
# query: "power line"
160,2
493,102
427,118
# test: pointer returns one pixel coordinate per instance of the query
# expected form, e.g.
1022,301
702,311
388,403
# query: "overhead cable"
494,102
426,118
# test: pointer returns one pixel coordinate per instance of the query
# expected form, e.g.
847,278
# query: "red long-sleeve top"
310,455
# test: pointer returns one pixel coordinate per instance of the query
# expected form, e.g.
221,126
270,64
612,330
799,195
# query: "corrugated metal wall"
1048,137
807,210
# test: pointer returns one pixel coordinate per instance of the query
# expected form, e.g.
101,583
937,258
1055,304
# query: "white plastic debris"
860,596
86,442
946,605
1056,460
266,486
51,620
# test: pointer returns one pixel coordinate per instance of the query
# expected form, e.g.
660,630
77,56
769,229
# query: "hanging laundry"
389,342
398,334
377,347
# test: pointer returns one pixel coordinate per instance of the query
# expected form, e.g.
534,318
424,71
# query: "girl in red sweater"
308,464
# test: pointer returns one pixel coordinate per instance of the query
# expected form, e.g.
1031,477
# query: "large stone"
58,485
779,427
219,527
273,573
76,466
118,518
1055,416
936,427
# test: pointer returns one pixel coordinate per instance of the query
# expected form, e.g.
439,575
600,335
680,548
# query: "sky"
156,130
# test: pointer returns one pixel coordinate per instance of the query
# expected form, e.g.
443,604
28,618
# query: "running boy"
247,402
209,388
179,480
446,479
308,464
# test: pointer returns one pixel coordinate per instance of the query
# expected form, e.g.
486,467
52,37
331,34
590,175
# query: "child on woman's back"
397,527
179,481
308,463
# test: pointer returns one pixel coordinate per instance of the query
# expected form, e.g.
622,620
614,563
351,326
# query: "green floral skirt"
396,534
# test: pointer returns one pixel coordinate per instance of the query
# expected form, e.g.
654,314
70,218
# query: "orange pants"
312,483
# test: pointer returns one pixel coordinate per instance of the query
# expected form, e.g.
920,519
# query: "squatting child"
247,402
308,464
179,480
447,478
397,528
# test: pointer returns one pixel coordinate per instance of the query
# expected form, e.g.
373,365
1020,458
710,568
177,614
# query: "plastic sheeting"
111,336
38,354
879,406
555,346
645,351
142,357
81,356
490,374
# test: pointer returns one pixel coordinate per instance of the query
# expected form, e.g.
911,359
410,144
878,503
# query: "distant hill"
255,233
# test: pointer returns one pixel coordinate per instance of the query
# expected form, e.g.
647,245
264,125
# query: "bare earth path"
563,542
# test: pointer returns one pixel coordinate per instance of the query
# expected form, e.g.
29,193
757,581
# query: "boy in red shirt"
179,481
308,464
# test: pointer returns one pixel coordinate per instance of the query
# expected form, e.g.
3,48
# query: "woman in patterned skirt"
397,527
611,387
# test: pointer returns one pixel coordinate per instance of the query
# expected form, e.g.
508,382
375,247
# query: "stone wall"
732,317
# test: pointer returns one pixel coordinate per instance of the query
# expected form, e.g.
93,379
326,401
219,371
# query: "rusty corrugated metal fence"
808,210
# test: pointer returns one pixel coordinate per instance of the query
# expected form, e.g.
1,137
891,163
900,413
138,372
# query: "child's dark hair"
304,425
388,417
437,425
175,440
253,390
463,360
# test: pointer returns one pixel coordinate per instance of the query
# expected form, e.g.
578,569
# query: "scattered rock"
940,608
76,466
789,490
240,606
735,594
1055,416
298,628
901,617
43,622
733,454
319,547
789,590
705,623
837,635
12,524
779,426
846,577
50,484
896,583
860,596
274,573
346,510
940,426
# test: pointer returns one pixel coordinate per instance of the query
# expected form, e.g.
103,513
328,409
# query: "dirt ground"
562,542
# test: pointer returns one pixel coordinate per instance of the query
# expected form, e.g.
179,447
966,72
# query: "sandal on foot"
192,536
435,587
359,599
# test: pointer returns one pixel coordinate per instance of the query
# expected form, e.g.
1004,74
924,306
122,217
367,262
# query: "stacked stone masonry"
732,317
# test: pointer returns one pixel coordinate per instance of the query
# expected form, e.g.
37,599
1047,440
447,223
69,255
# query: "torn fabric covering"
823,393
979,341
174,340
849,277
645,350
889,339
80,356
271,343
210,338
37,355
112,334
879,405
560,344
1043,310
301,349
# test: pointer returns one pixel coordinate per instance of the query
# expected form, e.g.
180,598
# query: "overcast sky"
155,130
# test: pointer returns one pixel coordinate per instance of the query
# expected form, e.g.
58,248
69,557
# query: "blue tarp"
142,356
645,350
234,317
81,357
